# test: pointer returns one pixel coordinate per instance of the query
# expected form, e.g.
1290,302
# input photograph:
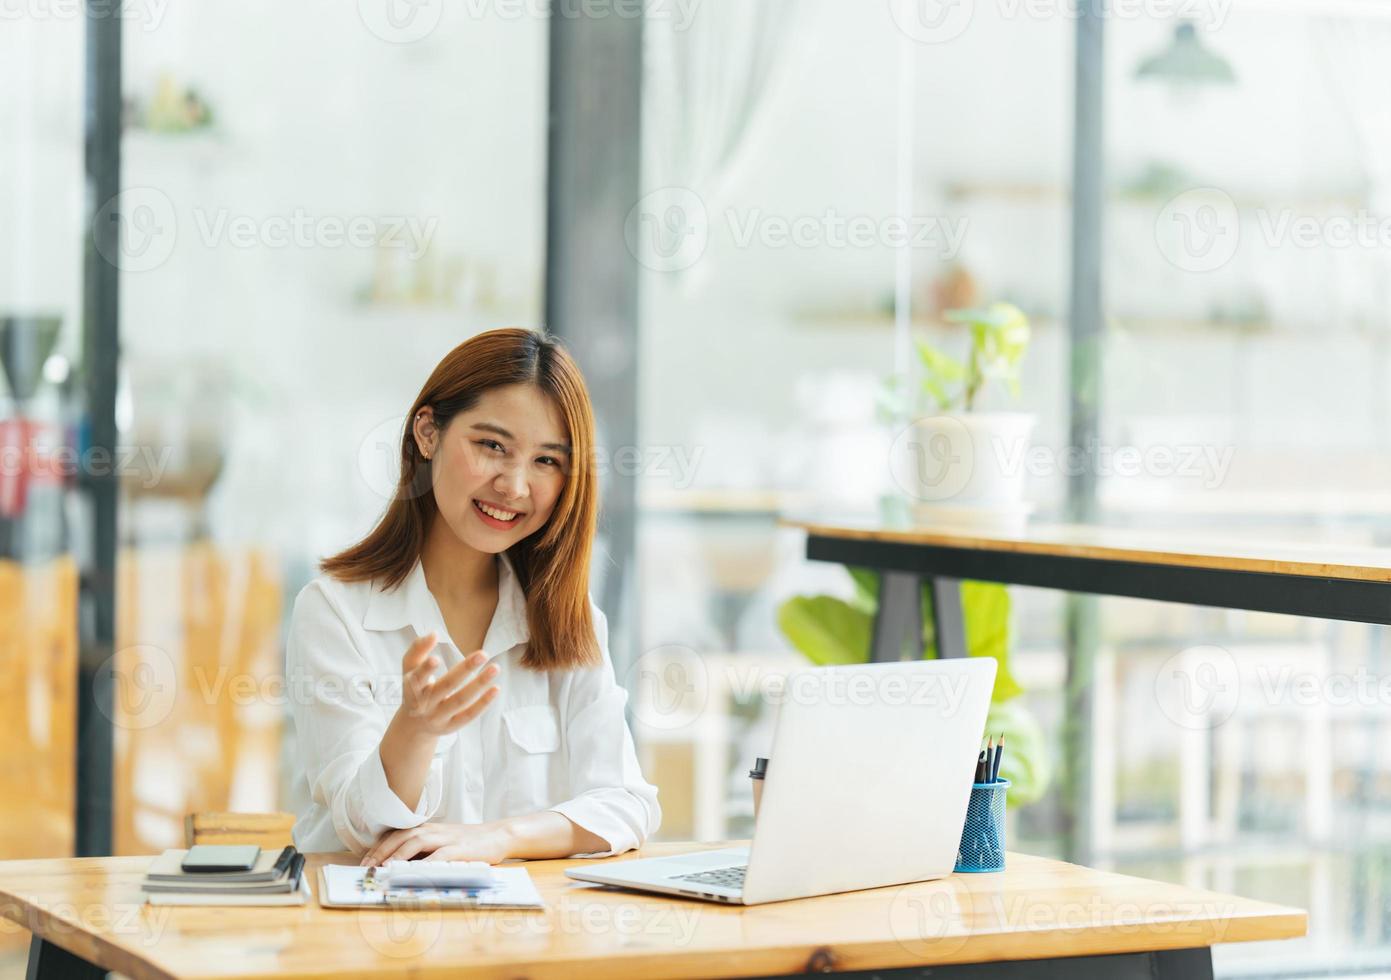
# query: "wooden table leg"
50,962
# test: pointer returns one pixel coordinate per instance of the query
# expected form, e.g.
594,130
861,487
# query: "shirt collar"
411,604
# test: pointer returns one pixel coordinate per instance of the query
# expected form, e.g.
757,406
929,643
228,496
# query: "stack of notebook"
277,878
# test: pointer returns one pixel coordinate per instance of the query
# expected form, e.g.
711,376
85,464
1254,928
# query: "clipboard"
341,887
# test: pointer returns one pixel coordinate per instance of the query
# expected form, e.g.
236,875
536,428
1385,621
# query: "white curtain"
707,82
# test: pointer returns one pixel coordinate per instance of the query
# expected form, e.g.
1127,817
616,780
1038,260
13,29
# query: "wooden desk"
1040,913
1298,578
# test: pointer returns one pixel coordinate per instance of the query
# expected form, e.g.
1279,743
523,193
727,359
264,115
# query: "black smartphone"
221,857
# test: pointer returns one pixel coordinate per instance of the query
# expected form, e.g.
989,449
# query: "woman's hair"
552,564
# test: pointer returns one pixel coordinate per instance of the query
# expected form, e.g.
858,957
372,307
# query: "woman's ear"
426,432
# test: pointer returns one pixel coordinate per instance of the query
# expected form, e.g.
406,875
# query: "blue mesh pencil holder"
983,837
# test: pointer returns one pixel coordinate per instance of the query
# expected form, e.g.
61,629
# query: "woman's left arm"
611,808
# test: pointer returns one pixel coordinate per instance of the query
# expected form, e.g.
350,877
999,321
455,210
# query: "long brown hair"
552,564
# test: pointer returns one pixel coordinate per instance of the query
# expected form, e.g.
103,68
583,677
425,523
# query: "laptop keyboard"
724,877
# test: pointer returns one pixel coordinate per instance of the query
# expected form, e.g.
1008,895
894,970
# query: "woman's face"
498,468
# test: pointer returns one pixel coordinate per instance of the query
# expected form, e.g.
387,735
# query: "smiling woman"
467,719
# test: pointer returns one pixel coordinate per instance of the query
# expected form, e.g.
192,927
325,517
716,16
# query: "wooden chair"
270,830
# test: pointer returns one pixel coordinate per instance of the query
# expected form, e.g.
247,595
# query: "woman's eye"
548,461
491,444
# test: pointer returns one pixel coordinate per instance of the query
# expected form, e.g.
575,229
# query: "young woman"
452,692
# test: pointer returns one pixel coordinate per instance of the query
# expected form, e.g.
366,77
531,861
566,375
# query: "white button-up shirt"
554,740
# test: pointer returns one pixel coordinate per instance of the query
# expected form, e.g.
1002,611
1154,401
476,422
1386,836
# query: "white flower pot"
969,465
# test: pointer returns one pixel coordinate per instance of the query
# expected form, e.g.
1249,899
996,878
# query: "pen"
980,767
282,863
999,751
989,758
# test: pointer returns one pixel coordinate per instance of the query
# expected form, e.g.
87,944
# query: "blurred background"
234,240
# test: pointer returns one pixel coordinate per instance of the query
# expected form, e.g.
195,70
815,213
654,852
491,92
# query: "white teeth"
494,513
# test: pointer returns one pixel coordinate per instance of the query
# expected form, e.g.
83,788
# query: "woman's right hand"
440,705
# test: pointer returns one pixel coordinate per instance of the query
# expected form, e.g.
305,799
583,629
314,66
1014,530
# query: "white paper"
512,888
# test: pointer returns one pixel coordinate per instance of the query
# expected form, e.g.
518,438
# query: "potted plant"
955,462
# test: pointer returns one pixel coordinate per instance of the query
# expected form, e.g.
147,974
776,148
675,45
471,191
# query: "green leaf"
826,630
986,617
939,363
866,588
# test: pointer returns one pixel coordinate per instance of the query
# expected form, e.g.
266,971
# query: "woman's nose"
511,482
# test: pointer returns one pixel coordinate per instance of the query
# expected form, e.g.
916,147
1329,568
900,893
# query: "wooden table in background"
1050,919
1307,578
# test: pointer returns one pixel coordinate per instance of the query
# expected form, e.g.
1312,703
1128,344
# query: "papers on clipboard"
343,886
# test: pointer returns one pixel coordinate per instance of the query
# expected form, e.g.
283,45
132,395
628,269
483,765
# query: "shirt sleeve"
611,798
339,723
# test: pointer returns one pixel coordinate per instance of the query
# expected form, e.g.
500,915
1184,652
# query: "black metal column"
591,276
1085,329
898,620
101,279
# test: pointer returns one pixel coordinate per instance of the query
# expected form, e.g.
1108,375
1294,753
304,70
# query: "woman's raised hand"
444,704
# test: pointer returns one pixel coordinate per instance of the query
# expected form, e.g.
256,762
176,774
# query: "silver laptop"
868,780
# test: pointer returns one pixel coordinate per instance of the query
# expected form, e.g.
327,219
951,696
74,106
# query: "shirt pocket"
531,747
